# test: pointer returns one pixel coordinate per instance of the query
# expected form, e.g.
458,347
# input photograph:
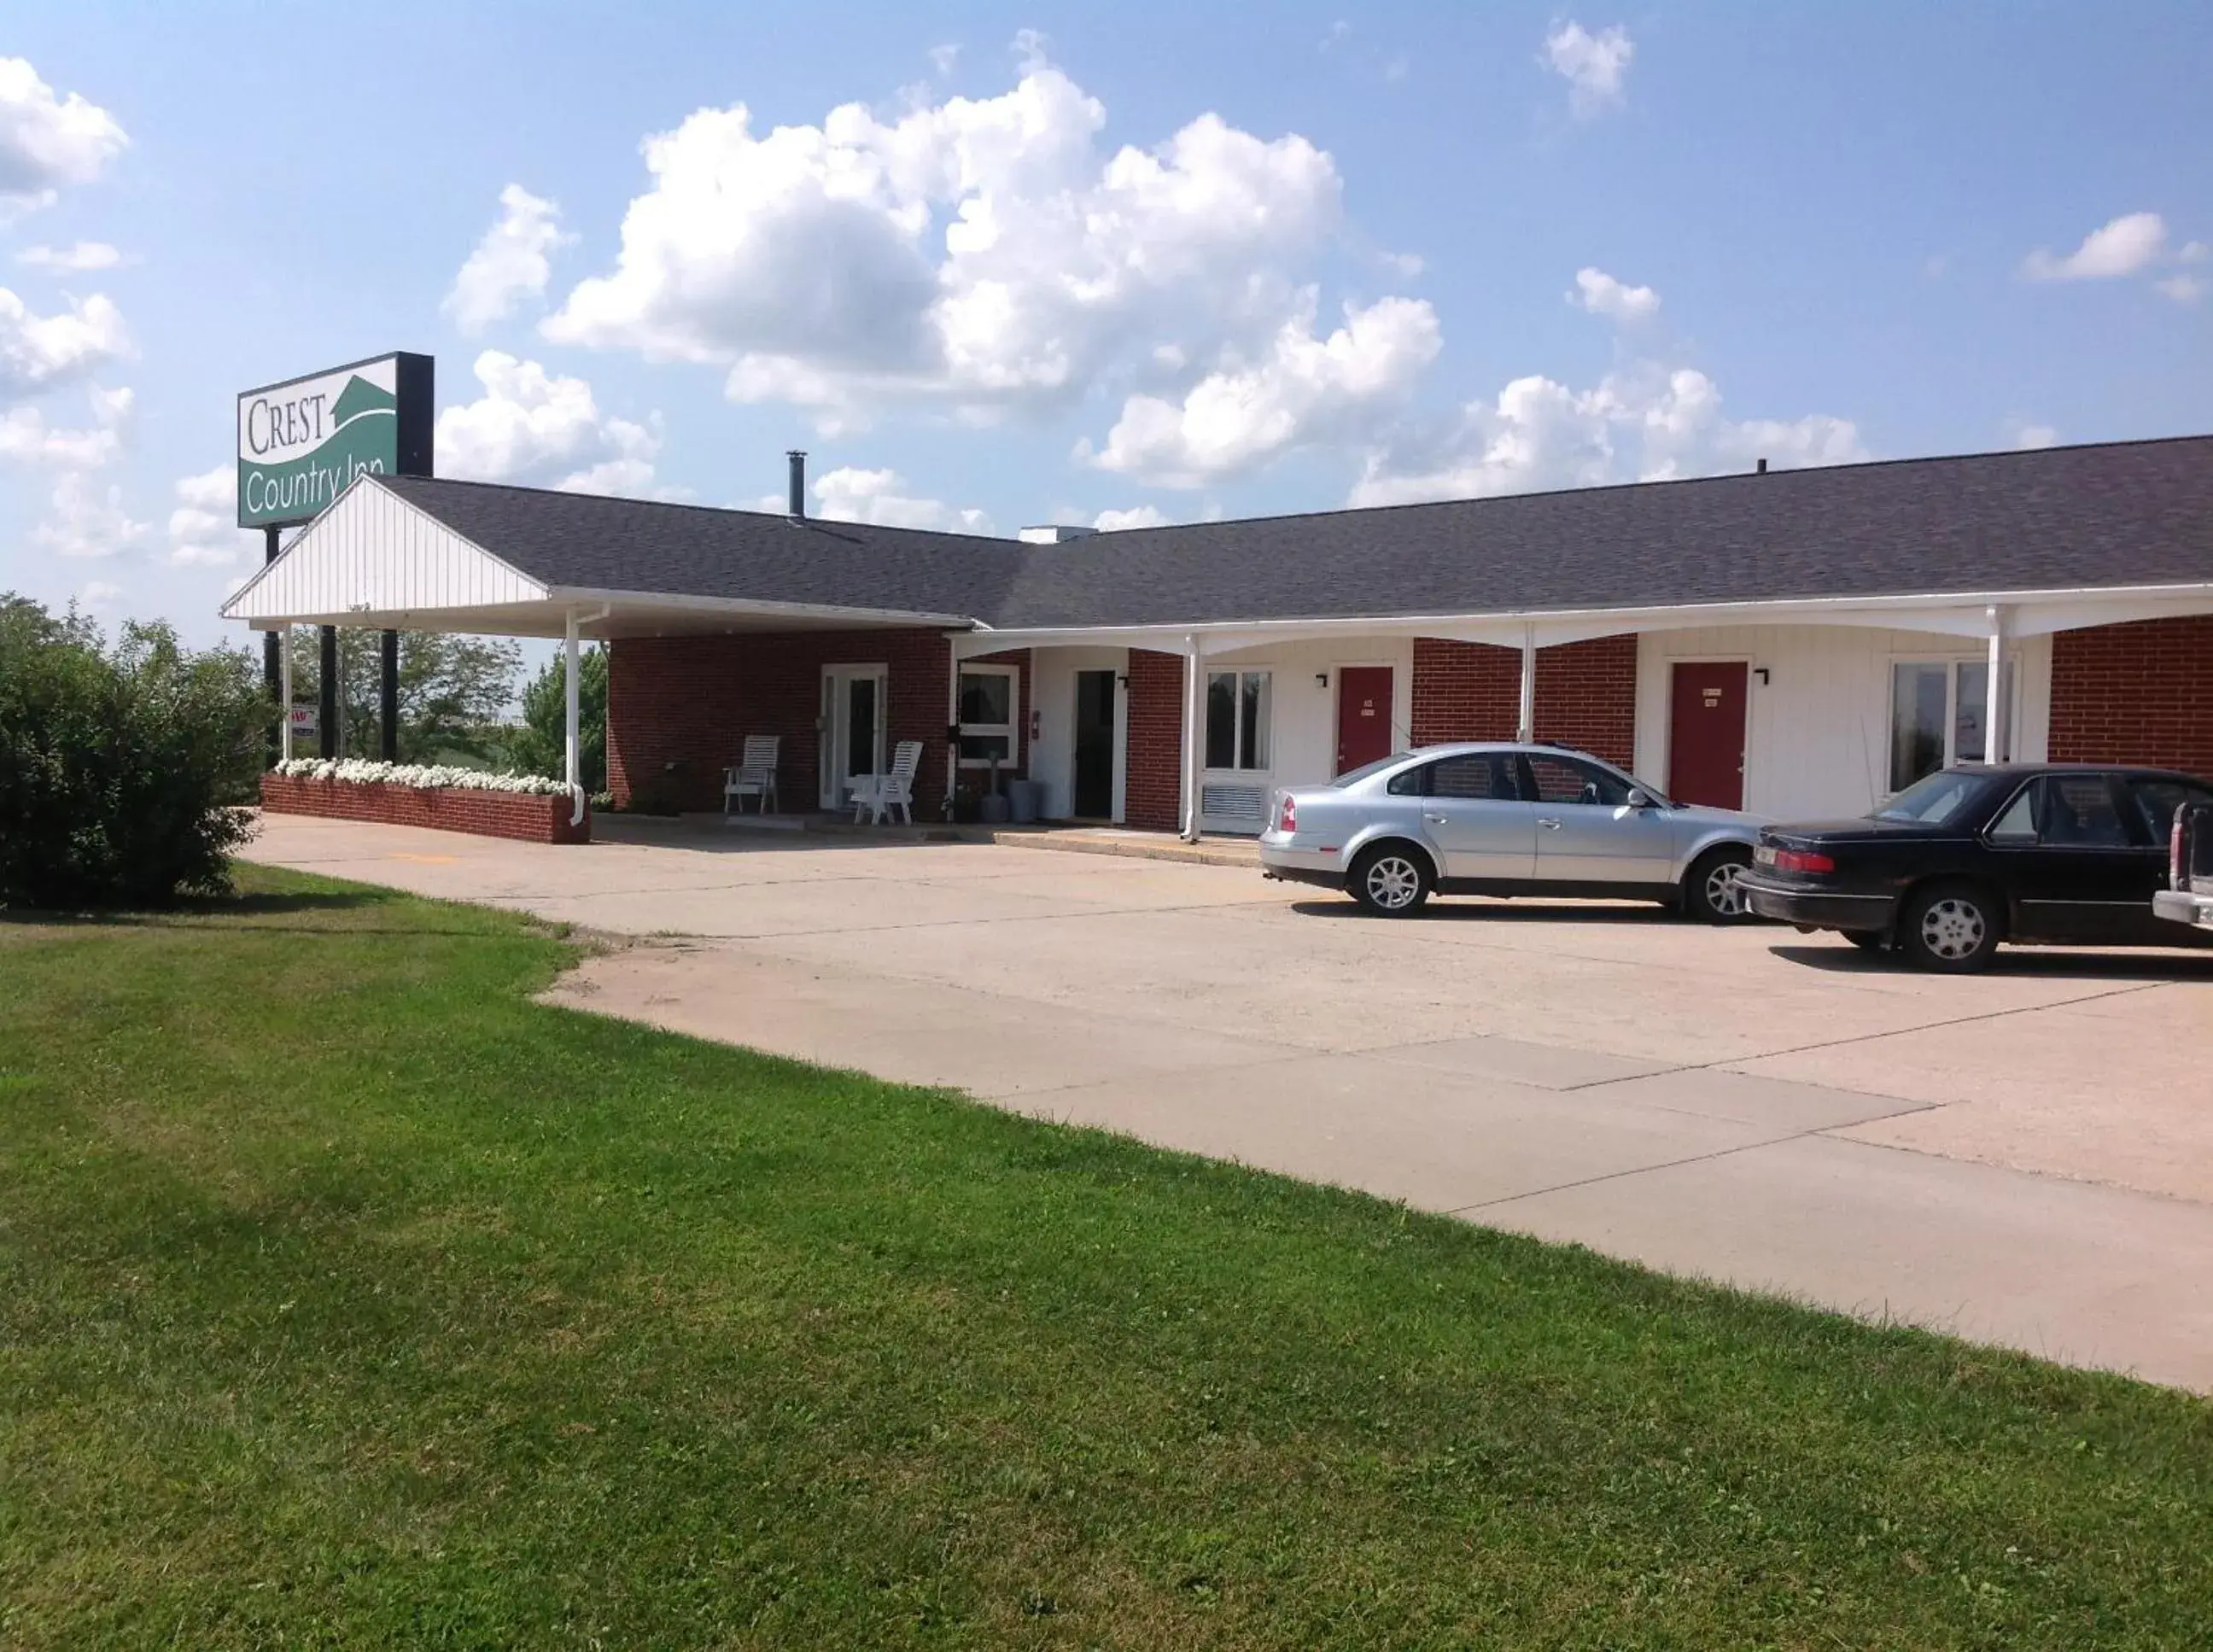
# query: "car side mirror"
1640,798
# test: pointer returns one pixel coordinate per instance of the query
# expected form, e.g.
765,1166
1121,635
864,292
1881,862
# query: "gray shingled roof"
2118,514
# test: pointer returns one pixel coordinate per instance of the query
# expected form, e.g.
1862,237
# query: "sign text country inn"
1801,643
303,442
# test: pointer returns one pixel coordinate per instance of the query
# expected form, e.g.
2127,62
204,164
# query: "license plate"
1764,855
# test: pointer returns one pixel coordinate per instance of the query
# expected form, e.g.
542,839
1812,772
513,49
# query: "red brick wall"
2135,694
1586,693
533,818
690,701
1152,798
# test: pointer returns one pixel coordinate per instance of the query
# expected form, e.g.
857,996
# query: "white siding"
371,552
1052,696
1817,739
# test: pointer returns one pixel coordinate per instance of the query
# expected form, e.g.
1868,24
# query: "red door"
1705,734
1363,715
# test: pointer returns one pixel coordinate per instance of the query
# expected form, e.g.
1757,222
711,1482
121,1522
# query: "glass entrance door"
852,730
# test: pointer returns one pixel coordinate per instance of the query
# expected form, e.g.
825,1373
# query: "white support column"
1525,727
284,691
572,743
1997,745
952,723
1194,734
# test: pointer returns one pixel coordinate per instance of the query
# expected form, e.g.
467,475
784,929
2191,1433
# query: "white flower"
423,776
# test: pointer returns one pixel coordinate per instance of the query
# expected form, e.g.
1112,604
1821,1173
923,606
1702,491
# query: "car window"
1566,780
2156,800
2063,811
1934,799
1352,776
1486,776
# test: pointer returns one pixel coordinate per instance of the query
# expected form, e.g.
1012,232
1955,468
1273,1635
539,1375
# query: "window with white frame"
1940,716
1237,716
987,715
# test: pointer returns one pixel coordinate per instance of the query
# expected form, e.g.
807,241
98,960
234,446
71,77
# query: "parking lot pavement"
2025,1156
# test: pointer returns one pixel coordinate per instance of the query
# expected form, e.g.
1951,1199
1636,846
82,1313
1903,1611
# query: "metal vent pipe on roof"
798,502
1763,468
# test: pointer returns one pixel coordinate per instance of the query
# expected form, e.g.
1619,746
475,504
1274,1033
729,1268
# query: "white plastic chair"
877,795
753,775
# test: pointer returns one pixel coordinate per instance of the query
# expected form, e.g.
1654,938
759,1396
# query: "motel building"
1798,643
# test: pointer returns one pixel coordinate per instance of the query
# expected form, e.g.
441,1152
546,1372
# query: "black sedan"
2049,854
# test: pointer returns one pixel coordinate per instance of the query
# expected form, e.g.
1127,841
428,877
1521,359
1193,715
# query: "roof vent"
1053,534
1762,468
798,501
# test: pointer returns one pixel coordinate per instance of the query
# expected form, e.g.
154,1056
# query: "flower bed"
527,808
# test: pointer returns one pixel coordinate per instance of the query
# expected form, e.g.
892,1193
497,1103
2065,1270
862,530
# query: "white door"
851,727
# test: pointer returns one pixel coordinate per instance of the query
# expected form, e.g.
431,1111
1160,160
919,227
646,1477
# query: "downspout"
1998,747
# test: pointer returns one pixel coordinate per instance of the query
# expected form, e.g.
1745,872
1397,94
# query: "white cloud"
1303,390
2121,248
2183,287
513,261
543,429
1601,295
82,259
1113,521
943,57
39,351
2025,434
974,253
26,438
47,142
99,594
1405,264
849,494
88,521
1647,421
1595,66
204,530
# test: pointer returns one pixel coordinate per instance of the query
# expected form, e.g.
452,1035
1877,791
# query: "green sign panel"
303,442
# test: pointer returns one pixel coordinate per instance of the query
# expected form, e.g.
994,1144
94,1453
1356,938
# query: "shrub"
421,776
121,766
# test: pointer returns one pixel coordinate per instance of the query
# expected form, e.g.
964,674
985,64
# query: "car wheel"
1713,892
1954,927
1391,882
1868,939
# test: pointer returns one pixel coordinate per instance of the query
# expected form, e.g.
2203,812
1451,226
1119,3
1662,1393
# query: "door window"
1568,780
2063,811
1237,719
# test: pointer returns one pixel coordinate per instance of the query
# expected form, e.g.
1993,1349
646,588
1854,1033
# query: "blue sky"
1201,260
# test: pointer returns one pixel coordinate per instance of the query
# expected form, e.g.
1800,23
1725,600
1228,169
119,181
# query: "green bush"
120,765
538,744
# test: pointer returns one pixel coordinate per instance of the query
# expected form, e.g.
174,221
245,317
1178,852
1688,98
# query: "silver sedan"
1506,820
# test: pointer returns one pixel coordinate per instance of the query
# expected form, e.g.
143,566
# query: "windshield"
1352,776
1934,800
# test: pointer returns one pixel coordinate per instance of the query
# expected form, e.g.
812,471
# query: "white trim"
829,785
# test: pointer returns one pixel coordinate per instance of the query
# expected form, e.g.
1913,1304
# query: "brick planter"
530,818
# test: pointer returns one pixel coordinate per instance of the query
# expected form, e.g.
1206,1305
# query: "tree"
538,745
120,767
456,693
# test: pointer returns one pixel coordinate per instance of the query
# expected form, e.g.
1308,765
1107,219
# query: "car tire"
1391,880
1714,891
1868,939
1954,928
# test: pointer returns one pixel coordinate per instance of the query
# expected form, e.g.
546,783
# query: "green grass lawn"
348,1297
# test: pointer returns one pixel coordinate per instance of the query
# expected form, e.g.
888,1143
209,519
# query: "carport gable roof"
2123,516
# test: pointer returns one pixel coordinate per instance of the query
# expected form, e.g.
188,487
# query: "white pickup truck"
2188,897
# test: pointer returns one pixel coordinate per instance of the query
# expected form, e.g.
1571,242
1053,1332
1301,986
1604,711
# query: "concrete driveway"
2024,1157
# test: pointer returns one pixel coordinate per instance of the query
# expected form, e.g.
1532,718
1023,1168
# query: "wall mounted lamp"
1761,672
1321,680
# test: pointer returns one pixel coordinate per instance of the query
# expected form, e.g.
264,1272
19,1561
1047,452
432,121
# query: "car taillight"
1802,860
1287,817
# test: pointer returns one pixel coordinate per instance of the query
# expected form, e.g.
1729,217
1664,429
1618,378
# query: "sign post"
302,443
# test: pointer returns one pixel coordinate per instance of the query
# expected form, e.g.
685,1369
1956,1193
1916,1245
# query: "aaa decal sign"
303,442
